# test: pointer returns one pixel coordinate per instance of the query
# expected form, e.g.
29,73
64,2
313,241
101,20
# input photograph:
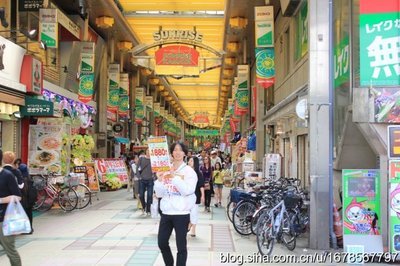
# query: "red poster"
179,55
379,6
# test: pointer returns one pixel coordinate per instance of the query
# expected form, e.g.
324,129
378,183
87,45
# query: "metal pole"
320,105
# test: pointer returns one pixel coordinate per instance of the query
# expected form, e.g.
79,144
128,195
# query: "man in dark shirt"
146,182
8,190
8,163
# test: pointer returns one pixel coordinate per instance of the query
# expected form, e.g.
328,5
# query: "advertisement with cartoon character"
394,203
361,207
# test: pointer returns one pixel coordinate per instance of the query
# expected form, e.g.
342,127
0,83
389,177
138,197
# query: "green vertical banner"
302,31
242,93
361,208
113,88
86,78
123,110
342,62
265,66
379,43
139,105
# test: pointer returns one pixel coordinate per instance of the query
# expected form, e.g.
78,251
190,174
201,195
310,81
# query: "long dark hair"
183,146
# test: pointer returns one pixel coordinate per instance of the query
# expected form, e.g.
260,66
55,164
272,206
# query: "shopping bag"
154,209
16,221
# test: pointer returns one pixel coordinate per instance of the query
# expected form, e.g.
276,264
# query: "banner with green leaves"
113,88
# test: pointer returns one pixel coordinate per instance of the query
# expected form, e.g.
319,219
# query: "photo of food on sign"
45,157
49,142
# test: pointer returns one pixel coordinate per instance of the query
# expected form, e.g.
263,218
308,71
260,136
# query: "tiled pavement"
113,232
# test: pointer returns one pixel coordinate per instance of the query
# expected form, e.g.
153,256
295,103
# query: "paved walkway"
113,232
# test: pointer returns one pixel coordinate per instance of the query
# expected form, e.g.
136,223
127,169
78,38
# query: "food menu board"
45,144
111,166
90,176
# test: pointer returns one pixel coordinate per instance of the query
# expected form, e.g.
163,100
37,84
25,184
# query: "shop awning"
121,140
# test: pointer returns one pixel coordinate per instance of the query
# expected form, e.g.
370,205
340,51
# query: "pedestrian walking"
200,196
146,182
9,191
176,190
206,171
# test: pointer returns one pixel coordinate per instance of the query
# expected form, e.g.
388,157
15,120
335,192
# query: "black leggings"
207,199
180,224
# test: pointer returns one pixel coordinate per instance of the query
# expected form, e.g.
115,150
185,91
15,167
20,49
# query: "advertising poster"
49,27
89,176
264,26
394,203
45,145
393,142
361,208
379,40
159,154
302,31
111,166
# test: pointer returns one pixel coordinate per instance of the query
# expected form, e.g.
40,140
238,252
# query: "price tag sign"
159,154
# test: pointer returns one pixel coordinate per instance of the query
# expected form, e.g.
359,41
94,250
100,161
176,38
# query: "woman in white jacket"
176,191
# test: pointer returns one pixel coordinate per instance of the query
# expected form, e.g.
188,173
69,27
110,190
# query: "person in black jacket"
200,195
146,182
29,192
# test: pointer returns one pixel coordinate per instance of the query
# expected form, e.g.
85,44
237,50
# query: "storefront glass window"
341,53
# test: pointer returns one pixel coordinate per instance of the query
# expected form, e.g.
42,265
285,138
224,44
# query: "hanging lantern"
124,46
233,47
238,22
226,82
230,60
104,22
227,72
154,81
225,88
145,72
160,87
165,93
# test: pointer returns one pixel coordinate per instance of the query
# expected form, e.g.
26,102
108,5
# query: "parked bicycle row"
69,195
276,211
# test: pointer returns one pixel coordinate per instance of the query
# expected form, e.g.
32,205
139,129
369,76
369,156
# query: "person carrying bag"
9,191
146,182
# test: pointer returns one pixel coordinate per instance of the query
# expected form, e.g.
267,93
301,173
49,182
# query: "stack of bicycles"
69,196
278,211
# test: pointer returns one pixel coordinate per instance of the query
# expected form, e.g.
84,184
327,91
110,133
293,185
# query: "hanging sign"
379,39
341,62
37,107
123,106
302,32
48,27
159,154
148,100
393,141
31,5
189,35
264,26
113,87
124,84
177,60
139,105
87,57
361,209
265,66
33,74
86,87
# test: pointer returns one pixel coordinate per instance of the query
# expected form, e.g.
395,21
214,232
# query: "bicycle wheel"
242,217
256,217
68,199
229,210
41,197
288,237
265,235
84,196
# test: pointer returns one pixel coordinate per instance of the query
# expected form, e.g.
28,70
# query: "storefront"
12,94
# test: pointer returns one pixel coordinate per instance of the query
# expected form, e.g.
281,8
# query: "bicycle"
275,225
66,197
84,193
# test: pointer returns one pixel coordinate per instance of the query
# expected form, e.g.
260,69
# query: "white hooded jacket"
177,195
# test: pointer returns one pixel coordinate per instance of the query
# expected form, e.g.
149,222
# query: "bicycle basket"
292,201
71,180
39,182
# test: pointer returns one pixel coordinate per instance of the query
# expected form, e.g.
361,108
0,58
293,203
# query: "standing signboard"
361,209
89,176
272,166
111,166
159,154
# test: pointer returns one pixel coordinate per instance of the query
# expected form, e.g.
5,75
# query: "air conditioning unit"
289,7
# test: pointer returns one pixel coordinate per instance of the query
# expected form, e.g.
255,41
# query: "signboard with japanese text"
90,176
33,74
48,27
379,43
394,202
159,154
302,31
31,5
87,57
341,62
111,166
272,166
139,105
37,107
361,209
393,141
177,60
264,26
